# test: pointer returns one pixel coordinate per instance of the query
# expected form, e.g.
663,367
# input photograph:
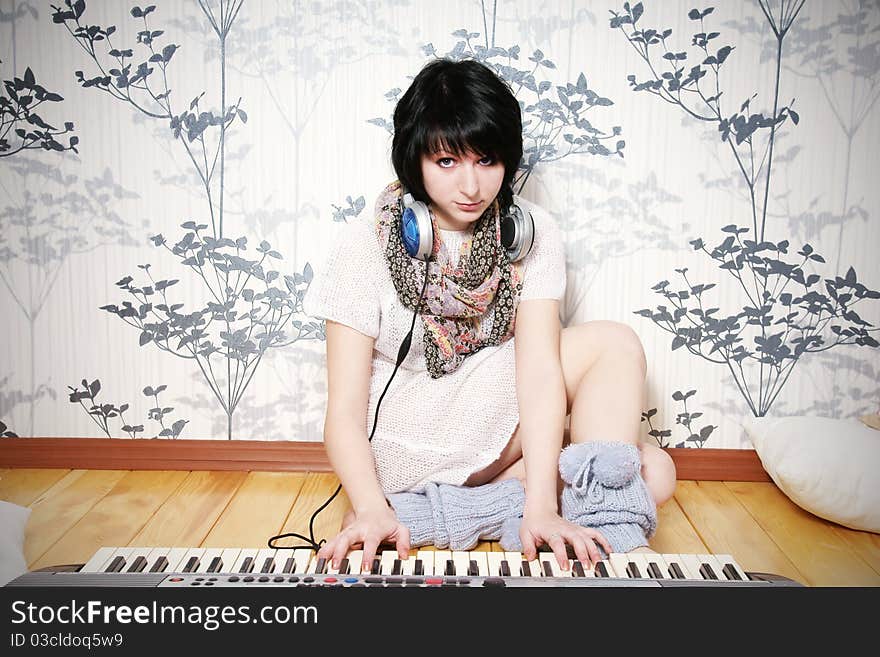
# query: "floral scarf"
456,298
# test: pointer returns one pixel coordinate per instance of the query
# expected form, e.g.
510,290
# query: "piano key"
730,568
462,562
175,558
302,558
440,559
493,563
692,563
603,568
409,565
98,560
191,560
212,561
707,571
550,567
138,565
481,560
676,568
514,563
264,561
655,566
376,568
116,565
355,562
641,562
228,557
426,560
619,562
245,561
191,564
535,566
387,560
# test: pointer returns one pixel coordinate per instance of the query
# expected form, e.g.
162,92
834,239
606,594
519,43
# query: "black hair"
456,106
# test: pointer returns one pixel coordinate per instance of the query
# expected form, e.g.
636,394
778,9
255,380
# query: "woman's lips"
469,208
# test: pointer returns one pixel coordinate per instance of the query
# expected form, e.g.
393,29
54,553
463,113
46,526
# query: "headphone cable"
401,354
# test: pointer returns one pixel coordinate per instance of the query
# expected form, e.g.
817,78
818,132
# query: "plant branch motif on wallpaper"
783,323
253,305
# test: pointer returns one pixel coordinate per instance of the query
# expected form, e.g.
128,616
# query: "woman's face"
452,182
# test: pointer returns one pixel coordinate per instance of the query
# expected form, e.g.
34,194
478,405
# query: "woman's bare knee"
658,471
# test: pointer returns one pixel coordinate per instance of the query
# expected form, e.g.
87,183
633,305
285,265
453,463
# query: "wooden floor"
75,512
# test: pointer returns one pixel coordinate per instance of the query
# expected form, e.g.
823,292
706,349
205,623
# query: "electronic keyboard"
208,567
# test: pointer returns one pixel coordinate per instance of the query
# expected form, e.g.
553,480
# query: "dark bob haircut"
456,106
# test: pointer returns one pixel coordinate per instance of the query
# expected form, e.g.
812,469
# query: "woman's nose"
469,182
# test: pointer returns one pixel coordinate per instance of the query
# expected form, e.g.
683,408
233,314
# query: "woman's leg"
604,368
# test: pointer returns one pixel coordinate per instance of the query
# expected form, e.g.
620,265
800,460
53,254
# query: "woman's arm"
540,391
349,367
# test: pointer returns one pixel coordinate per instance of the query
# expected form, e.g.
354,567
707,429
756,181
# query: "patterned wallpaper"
171,174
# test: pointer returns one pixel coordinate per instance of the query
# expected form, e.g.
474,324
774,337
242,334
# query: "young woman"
469,439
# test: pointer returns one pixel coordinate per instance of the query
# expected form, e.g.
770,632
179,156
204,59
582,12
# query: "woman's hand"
369,528
548,527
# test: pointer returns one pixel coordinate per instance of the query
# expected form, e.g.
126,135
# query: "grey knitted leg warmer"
604,489
458,517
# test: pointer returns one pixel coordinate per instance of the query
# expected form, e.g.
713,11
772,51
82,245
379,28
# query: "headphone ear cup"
416,229
517,232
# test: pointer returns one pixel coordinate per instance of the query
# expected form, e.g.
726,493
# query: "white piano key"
514,563
208,555
229,556
716,565
725,559
243,556
534,566
619,561
548,560
175,557
427,559
587,567
607,565
302,558
260,561
462,561
493,563
98,560
692,562
355,561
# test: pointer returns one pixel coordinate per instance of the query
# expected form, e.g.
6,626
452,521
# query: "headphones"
417,231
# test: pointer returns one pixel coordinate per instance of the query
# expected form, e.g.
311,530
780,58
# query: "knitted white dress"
439,430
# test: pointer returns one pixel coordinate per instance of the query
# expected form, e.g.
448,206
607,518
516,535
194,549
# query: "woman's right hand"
369,528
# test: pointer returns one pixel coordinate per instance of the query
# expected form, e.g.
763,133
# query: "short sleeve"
543,269
344,288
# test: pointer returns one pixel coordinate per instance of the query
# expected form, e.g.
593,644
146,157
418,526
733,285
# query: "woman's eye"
442,160
491,160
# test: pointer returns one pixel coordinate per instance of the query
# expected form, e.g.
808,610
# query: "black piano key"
655,571
191,565
116,565
288,565
633,570
160,565
601,570
505,568
548,570
321,566
675,572
730,572
268,565
418,568
450,567
247,565
396,567
578,569
526,570
344,566
216,565
138,566
377,567
707,572
473,568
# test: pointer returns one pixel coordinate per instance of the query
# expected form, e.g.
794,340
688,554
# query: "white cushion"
13,518
827,466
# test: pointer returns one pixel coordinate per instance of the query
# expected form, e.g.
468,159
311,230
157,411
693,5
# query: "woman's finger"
557,544
403,542
581,550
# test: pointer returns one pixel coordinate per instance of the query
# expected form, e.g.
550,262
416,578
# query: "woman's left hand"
540,527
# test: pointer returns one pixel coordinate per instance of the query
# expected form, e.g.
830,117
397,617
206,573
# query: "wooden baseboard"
286,456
